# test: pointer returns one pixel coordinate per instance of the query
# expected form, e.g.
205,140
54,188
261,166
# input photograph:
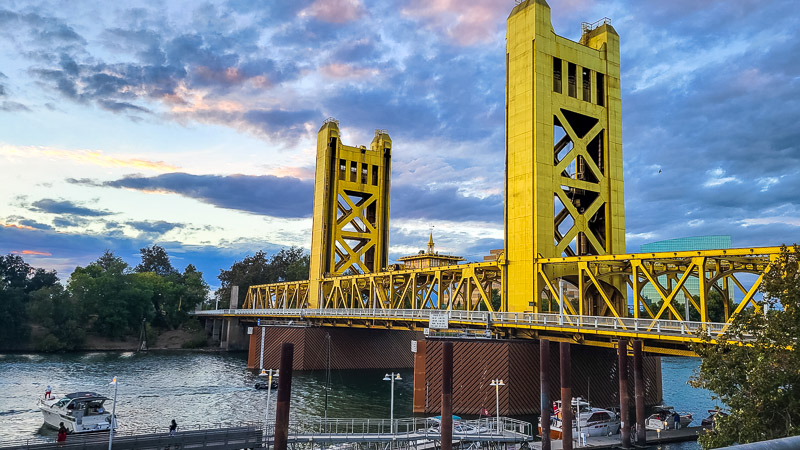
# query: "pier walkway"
417,433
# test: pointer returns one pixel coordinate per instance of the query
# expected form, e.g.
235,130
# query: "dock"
609,442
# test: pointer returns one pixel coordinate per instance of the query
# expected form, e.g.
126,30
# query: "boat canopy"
85,396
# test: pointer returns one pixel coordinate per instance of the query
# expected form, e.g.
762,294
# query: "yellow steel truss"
468,287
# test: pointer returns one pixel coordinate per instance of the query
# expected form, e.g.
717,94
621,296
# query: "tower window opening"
374,175
601,90
364,172
571,78
586,77
557,81
353,171
342,169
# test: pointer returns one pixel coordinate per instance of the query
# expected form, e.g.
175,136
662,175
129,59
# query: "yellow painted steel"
350,231
564,189
564,219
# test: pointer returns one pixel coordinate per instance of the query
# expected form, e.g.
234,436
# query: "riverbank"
178,339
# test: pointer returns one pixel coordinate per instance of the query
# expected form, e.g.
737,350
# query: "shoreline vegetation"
111,306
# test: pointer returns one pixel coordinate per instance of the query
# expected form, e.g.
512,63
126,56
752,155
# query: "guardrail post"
284,396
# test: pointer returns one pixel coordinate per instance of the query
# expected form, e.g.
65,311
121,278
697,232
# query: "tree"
286,265
760,381
17,281
114,300
53,308
155,259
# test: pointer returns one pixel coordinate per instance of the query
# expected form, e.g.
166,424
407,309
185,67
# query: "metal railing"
485,319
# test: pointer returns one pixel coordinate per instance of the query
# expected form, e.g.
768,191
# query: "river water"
200,388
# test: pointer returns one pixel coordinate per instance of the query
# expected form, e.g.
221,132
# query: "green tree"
114,300
715,304
760,381
286,265
17,281
155,259
53,308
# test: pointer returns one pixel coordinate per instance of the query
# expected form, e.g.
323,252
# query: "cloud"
335,11
9,106
465,23
266,194
91,157
30,252
154,228
444,204
50,206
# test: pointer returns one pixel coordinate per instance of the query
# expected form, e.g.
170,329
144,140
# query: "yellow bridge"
563,273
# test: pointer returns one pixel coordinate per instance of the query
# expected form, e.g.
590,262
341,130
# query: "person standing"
173,428
47,393
677,418
62,434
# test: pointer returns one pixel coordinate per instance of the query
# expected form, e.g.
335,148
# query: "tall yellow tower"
350,231
564,189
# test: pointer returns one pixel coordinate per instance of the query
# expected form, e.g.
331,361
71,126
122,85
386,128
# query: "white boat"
585,420
80,412
663,418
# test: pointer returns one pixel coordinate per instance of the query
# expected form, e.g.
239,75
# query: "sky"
192,124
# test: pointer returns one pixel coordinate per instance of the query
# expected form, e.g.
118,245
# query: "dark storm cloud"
154,228
266,194
443,204
292,198
48,205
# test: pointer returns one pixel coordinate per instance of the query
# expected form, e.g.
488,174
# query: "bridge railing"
488,320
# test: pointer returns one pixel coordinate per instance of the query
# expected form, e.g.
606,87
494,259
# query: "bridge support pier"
477,362
638,381
624,399
566,396
350,348
544,388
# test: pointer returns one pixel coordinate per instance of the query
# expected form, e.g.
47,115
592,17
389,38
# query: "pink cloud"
335,11
31,252
466,23
340,70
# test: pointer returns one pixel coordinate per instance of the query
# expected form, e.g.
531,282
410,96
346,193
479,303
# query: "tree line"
110,299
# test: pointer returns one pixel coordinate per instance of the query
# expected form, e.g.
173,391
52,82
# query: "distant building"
679,245
430,258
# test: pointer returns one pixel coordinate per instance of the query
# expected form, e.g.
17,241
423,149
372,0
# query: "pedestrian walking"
62,434
173,428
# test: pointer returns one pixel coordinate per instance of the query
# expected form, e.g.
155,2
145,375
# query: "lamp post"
497,383
392,377
113,414
264,373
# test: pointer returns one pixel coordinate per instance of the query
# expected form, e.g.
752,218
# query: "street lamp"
113,414
497,383
264,373
392,377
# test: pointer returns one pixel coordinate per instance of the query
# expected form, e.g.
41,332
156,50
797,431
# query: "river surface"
199,388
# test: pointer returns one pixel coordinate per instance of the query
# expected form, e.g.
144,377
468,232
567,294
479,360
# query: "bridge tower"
350,231
563,186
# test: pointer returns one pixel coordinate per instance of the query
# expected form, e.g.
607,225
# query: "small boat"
586,419
663,418
713,415
266,385
80,412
